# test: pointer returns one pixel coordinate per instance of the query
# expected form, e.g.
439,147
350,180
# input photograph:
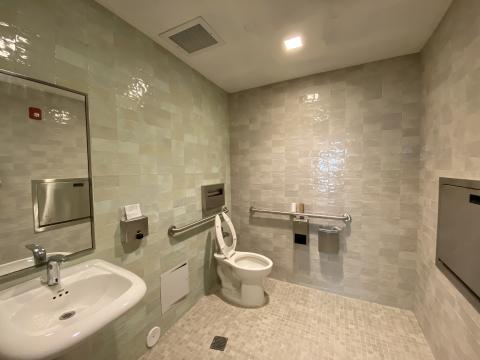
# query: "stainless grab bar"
345,217
173,230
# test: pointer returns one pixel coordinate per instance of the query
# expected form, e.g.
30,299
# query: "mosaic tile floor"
298,323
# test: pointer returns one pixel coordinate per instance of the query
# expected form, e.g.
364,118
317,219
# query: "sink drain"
67,315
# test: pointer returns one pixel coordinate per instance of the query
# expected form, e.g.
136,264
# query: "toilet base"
243,286
253,295
234,297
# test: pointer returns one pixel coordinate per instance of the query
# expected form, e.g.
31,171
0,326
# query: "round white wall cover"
153,336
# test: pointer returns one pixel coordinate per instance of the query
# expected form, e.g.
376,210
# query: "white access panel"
174,285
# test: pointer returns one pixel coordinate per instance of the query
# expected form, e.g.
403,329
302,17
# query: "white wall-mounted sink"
40,322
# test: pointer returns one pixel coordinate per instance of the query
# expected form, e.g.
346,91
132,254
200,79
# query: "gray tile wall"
451,148
159,131
346,140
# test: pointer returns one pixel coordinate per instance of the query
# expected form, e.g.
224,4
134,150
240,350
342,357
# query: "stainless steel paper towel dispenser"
60,202
458,235
213,198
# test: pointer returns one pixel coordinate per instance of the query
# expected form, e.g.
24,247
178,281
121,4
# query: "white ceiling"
336,33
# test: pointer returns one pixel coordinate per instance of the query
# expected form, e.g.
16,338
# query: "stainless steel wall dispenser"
300,226
134,229
300,230
458,235
60,202
213,198
329,239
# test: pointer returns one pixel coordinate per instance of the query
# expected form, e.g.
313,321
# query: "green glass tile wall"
451,148
159,130
346,140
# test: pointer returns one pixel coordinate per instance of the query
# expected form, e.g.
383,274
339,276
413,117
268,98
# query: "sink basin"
40,322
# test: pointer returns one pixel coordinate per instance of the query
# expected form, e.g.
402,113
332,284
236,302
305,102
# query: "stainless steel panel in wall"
60,201
213,198
458,235
300,227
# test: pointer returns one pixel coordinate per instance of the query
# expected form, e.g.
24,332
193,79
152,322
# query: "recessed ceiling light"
293,43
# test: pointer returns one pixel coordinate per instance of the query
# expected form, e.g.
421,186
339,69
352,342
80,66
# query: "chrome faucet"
39,253
53,269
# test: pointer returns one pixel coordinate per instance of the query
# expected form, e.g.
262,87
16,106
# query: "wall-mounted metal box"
213,198
300,227
458,234
134,229
329,239
60,202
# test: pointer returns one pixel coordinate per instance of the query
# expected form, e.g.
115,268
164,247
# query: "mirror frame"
4,273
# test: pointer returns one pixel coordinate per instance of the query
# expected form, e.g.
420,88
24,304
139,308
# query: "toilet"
241,273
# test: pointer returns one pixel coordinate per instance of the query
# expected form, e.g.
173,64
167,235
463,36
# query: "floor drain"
219,343
67,315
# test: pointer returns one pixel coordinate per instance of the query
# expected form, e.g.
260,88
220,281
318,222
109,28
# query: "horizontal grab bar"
173,230
345,217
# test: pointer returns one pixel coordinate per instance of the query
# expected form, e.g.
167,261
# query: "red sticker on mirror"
35,113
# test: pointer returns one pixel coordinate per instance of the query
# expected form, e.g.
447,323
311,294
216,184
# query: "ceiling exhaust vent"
192,37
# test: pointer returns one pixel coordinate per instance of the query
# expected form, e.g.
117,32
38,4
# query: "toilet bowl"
241,273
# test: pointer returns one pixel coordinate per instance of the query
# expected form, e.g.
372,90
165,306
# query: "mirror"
45,180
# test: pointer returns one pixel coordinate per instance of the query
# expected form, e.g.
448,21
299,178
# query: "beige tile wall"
159,131
451,148
341,141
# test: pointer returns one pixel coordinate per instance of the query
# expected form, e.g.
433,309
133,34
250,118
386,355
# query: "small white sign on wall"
174,285
132,211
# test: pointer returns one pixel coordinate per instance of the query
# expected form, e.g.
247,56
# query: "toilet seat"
226,250
250,261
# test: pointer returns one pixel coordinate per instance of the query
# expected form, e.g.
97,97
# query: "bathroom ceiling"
336,33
